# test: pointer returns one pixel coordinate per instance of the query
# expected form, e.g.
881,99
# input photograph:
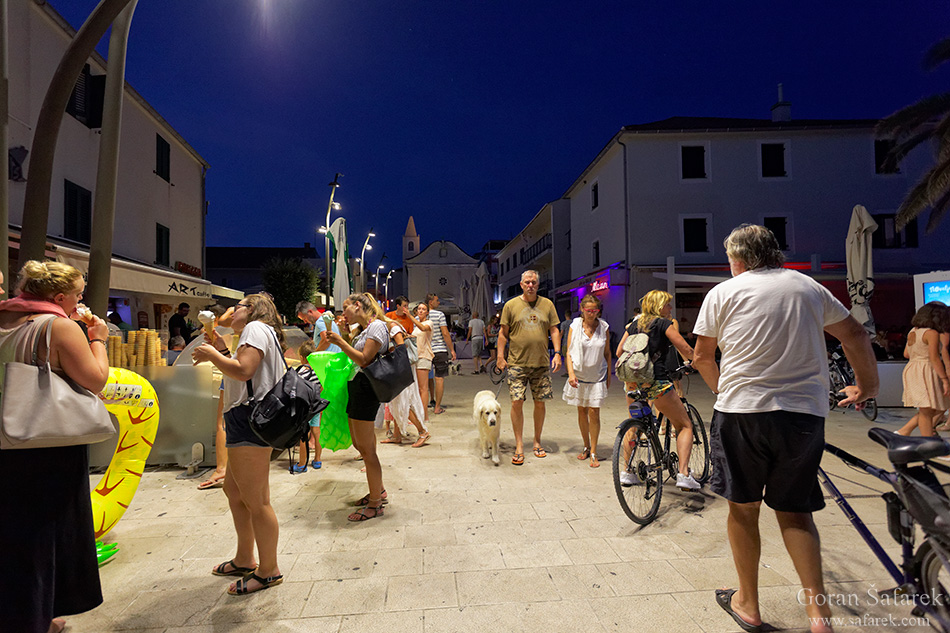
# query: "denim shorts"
237,428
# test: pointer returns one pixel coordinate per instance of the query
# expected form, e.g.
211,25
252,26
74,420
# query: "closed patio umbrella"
482,301
860,266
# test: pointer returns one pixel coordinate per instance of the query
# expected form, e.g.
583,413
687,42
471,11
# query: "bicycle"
918,499
640,459
699,456
841,375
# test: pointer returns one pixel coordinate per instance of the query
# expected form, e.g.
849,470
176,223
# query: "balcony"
533,251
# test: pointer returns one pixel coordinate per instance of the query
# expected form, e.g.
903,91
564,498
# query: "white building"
654,206
440,268
160,198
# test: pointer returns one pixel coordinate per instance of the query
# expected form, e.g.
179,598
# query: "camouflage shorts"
652,390
538,377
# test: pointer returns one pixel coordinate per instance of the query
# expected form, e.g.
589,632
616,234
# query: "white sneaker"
687,482
627,479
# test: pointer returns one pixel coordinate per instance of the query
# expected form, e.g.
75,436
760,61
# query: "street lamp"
388,277
366,247
326,230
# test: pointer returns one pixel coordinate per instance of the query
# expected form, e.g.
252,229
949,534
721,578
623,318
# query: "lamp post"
378,269
366,247
388,277
326,238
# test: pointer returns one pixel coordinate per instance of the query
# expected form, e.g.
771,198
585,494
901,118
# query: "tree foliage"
927,120
290,281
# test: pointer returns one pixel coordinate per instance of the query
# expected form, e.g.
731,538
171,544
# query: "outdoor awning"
133,277
692,279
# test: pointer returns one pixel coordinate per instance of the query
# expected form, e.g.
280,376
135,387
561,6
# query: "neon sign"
599,285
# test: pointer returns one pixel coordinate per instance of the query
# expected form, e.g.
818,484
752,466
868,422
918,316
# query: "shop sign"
188,269
184,290
600,285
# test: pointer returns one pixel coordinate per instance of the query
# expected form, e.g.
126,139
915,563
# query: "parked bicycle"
642,462
841,375
918,499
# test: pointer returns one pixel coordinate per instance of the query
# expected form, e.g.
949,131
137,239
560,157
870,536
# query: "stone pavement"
465,546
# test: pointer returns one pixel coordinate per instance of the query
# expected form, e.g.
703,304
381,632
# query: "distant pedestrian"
442,348
526,323
476,334
588,367
424,346
926,384
178,325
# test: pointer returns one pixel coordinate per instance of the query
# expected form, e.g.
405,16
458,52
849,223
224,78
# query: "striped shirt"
438,322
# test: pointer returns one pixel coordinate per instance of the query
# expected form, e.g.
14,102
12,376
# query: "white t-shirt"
770,327
439,343
259,336
377,331
478,327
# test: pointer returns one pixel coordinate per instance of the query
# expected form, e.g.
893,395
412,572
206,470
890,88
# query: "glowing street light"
331,206
388,277
366,247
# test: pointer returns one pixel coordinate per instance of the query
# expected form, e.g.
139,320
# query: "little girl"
926,385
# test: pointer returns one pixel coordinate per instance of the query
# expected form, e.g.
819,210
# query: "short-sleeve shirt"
659,345
377,331
321,326
770,327
402,319
271,368
424,341
478,327
439,343
528,330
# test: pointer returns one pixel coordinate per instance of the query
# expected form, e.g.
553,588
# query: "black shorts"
237,428
362,403
440,362
770,456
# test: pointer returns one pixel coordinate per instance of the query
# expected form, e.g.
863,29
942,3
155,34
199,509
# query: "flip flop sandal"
724,598
517,459
235,570
240,587
362,513
584,454
208,484
422,440
391,440
594,462
365,500
540,452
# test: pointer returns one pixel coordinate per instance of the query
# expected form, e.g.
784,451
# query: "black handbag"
389,373
282,417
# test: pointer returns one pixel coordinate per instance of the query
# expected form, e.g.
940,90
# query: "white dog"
487,415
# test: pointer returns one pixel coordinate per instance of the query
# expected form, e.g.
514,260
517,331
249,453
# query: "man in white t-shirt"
442,347
476,334
767,433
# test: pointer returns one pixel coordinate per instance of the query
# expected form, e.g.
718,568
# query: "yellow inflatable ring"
131,399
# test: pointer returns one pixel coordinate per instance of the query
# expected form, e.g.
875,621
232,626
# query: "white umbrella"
482,301
860,266
465,299
340,263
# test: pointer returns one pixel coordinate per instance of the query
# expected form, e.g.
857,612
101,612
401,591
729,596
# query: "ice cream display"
207,320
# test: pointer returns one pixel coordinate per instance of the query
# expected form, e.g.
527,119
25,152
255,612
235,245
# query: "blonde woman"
654,320
363,404
588,372
258,358
49,563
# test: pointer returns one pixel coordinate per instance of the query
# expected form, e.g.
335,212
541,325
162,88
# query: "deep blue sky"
470,116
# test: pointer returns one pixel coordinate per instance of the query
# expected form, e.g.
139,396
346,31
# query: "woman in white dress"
588,372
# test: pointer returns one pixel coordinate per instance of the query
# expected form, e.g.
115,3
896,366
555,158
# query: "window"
693,161
85,102
514,257
773,160
696,233
568,234
77,207
595,254
884,162
162,239
412,247
594,195
887,235
162,158
779,227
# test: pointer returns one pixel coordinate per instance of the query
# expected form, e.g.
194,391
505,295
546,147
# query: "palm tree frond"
916,200
939,181
937,54
907,120
907,146
936,214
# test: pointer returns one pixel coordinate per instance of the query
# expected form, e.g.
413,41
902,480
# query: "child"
925,379
306,372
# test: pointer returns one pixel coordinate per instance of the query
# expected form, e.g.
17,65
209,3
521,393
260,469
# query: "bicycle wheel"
837,384
870,409
699,456
638,472
934,578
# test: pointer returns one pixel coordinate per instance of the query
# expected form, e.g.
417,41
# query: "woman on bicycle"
654,321
588,372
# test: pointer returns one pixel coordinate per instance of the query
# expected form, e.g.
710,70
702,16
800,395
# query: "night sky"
470,116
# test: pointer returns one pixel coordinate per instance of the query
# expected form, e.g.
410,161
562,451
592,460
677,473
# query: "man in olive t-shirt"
526,323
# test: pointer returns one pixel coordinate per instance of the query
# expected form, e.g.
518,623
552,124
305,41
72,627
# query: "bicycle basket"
925,499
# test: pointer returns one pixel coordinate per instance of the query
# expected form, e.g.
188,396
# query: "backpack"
635,364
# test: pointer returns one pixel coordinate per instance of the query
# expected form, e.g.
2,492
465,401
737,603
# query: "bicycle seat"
904,450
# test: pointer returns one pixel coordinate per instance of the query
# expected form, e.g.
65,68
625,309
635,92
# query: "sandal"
517,459
240,587
208,484
584,454
365,500
235,570
316,464
422,440
363,513
391,440
594,462
539,452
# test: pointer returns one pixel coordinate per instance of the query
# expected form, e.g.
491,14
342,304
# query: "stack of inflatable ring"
131,399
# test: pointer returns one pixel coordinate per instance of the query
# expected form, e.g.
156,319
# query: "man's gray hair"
304,306
754,246
530,272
